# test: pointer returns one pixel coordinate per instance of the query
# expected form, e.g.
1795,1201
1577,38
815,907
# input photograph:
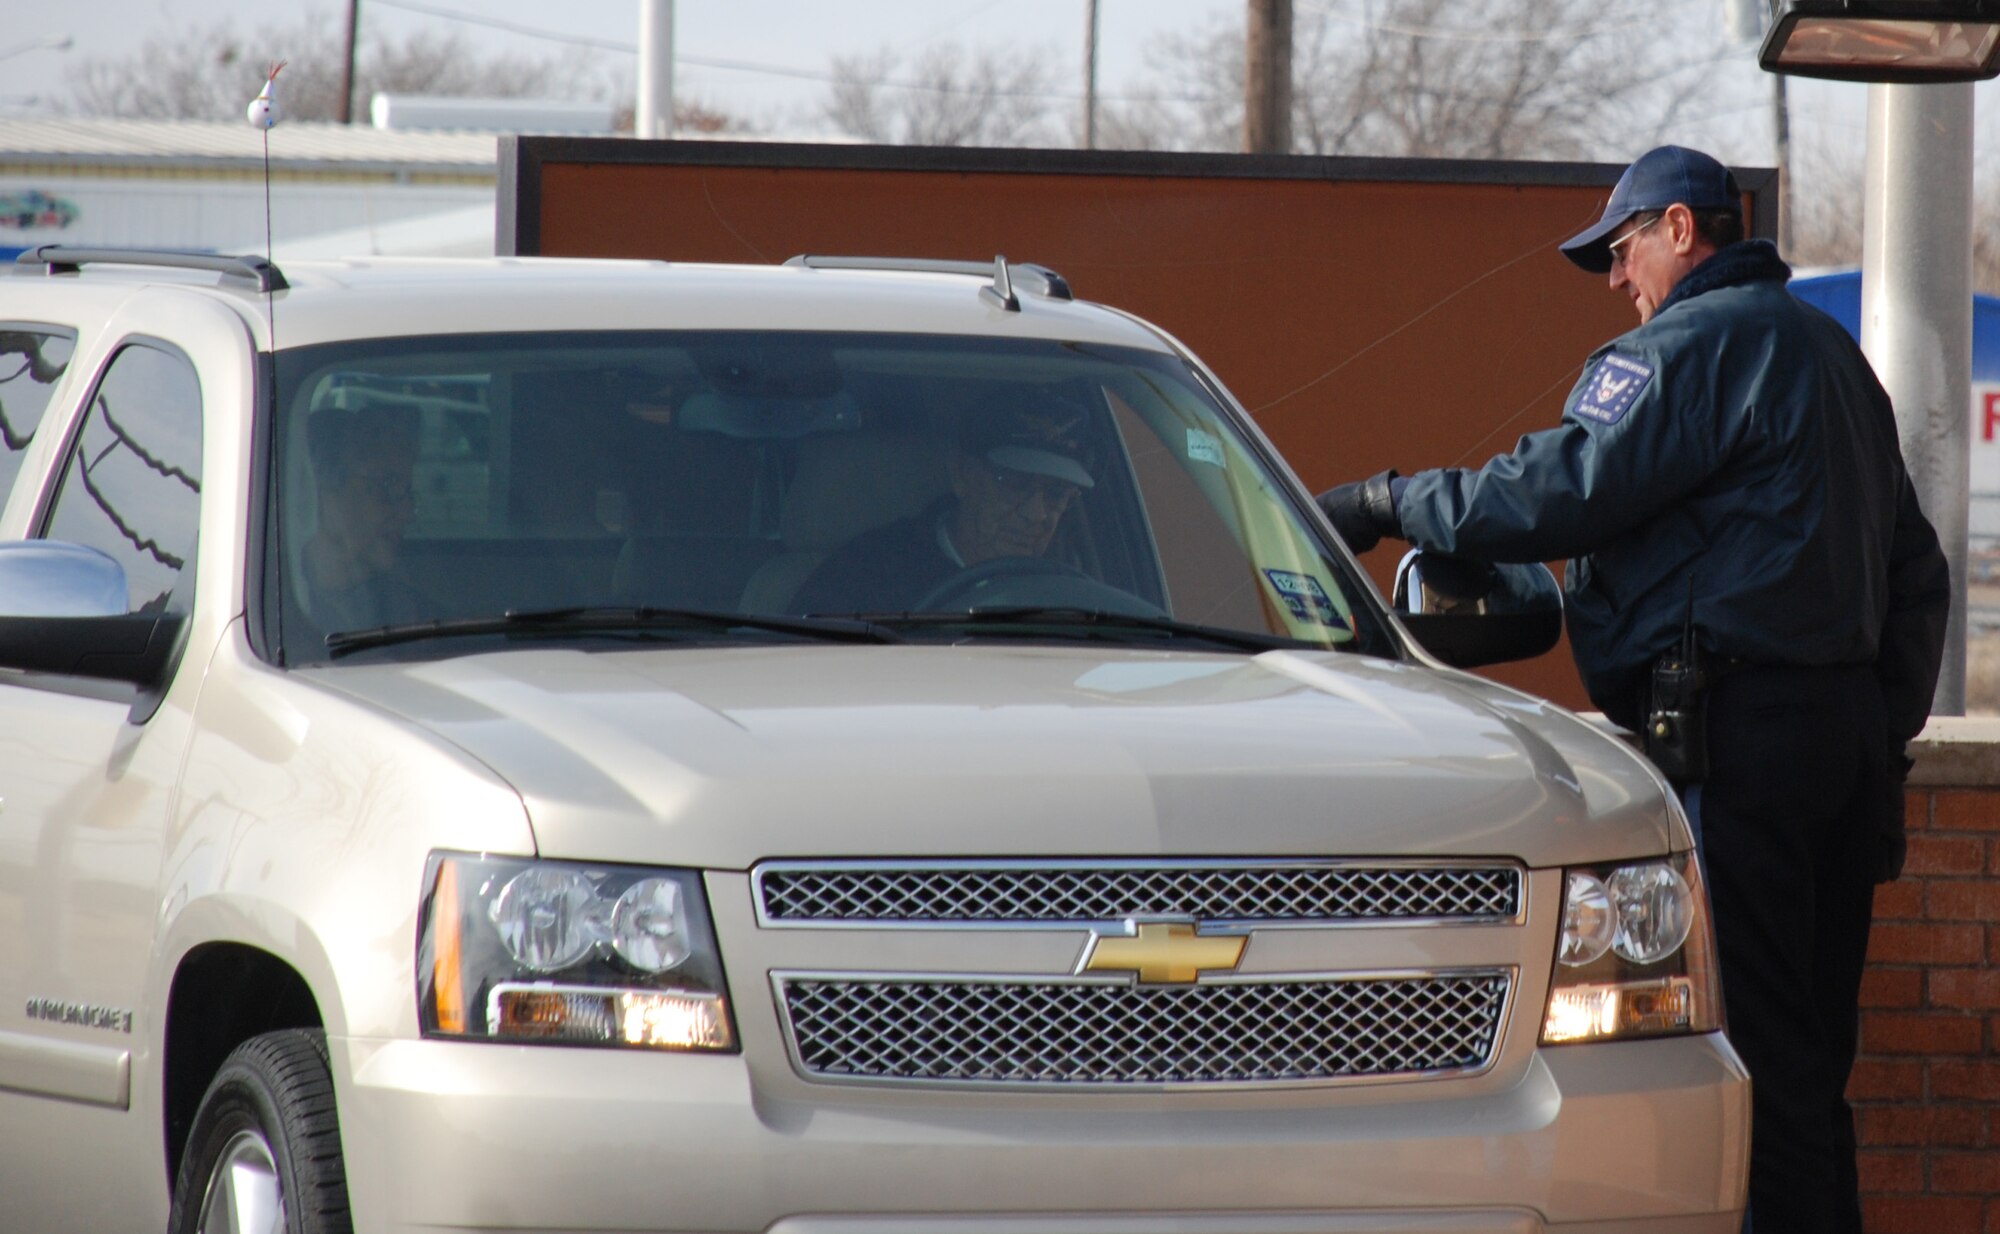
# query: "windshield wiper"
611,620
1069,622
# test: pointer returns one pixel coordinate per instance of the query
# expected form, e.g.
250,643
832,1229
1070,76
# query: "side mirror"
62,610
48,578
1468,613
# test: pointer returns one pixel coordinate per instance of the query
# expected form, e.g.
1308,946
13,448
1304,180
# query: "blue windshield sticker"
1204,448
1613,384
1306,599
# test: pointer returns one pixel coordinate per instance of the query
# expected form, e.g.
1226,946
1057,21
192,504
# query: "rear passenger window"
132,485
32,360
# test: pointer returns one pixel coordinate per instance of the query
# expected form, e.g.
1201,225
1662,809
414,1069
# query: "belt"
1714,666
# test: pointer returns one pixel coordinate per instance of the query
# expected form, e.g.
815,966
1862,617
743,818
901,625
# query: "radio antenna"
263,113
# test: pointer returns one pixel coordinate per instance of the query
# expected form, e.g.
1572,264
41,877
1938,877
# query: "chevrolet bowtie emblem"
1162,953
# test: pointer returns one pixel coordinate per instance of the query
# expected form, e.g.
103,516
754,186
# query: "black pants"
1789,820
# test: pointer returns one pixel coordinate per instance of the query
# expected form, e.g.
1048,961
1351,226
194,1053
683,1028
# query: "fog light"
674,1021
661,1019
1629,1009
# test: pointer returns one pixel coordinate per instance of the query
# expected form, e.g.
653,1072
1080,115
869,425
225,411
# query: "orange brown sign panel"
1370,313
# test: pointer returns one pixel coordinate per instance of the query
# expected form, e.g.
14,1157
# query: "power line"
769,70
953,23
495,23
1469,36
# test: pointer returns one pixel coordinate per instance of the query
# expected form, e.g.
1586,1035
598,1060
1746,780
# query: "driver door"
87,772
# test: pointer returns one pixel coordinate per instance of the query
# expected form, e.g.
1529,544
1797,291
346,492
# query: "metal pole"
347,63
654,114
1781,131
1916,312
1090,75
1781,144
1267,78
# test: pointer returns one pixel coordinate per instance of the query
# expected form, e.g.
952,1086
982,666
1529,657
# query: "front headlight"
1635,956
563,953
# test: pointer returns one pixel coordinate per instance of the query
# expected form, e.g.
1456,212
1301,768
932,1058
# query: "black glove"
1363,511
1891,846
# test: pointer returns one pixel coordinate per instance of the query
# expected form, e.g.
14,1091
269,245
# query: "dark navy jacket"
1737,442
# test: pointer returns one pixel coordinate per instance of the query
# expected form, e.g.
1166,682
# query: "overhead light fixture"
1903,41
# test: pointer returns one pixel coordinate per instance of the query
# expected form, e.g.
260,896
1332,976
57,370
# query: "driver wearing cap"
1014,474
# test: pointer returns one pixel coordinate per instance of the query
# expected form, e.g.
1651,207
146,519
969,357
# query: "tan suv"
848,746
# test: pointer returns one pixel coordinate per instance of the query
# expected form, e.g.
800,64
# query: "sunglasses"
1614,246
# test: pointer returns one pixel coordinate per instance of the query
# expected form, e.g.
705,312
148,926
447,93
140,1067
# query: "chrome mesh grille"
884,894
1076,1033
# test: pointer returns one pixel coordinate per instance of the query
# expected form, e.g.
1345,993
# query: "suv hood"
718,758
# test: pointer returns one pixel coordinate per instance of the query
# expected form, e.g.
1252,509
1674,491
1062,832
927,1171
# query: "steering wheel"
1038,581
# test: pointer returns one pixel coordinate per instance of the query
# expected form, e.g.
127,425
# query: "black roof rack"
1039,279
68,259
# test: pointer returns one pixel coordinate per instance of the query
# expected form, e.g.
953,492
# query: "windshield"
1033,485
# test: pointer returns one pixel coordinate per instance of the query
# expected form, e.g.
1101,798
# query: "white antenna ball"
263,111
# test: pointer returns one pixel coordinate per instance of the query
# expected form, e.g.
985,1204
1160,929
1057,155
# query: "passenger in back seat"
1013,476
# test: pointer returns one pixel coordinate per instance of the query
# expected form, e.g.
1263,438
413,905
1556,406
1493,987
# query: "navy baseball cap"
1656,179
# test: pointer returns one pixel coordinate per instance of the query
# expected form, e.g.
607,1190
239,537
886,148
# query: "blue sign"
1305,599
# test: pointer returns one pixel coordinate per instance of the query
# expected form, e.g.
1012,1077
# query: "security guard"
1747,556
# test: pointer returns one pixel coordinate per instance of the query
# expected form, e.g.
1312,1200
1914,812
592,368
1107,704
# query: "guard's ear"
1679,226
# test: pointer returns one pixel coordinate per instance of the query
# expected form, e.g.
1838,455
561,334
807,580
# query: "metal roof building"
201,184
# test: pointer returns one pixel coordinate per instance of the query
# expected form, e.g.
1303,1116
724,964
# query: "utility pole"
1267,79
1781,141
1916,313
347,63
653,116
1090,74
1781,130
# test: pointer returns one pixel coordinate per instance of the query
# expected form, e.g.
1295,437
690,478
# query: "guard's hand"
1362,511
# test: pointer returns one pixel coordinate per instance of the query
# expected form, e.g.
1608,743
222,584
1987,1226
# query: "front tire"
264,1155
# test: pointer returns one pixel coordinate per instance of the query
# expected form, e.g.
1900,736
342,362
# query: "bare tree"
212,72
945,97
1194,99
171,77
1149,121
1986,238
1569,79
1828,203
1540,78
1827,199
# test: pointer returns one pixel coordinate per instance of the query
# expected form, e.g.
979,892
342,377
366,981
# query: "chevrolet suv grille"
885,894
1068,1032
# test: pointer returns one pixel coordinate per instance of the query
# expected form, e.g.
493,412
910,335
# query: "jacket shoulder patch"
1613,385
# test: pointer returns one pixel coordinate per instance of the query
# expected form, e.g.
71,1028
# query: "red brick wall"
1926,1089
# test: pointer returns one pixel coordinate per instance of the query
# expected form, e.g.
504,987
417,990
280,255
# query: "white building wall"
226,213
